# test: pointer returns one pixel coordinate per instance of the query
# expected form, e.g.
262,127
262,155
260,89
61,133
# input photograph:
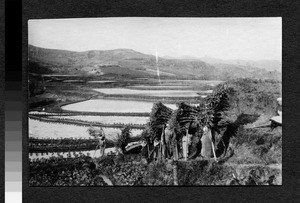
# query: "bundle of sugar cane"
173,121
215,105
159,116
218,101
182,118
186,113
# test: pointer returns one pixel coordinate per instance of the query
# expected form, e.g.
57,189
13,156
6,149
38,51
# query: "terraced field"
114,108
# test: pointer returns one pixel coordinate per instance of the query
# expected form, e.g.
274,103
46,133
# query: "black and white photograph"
155,101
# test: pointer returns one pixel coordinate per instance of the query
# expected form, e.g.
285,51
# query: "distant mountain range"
127,63
269,65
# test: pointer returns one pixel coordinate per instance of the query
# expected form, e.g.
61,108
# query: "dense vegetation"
260,146
58,171
130,170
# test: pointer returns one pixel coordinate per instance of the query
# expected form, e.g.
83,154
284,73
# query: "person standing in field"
102,144
279,107
208,145
156,152
100,136
277,120
145,152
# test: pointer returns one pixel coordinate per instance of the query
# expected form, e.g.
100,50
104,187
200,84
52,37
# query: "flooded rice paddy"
159,87
156,93
110,105
39,129
101,81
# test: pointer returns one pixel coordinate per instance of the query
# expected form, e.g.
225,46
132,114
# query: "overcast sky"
224,38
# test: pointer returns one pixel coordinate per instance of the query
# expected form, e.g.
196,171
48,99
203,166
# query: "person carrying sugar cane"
100,136
208,145
159,116
163,152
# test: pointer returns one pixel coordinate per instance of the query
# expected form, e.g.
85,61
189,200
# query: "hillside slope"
127,63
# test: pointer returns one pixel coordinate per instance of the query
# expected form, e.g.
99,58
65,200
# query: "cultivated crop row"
108,119
78,122
37,145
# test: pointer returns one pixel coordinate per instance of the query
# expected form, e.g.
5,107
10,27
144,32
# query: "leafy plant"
122,139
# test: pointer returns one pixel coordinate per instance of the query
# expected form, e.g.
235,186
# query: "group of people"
164,148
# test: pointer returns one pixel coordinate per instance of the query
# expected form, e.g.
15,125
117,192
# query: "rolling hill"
127,63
